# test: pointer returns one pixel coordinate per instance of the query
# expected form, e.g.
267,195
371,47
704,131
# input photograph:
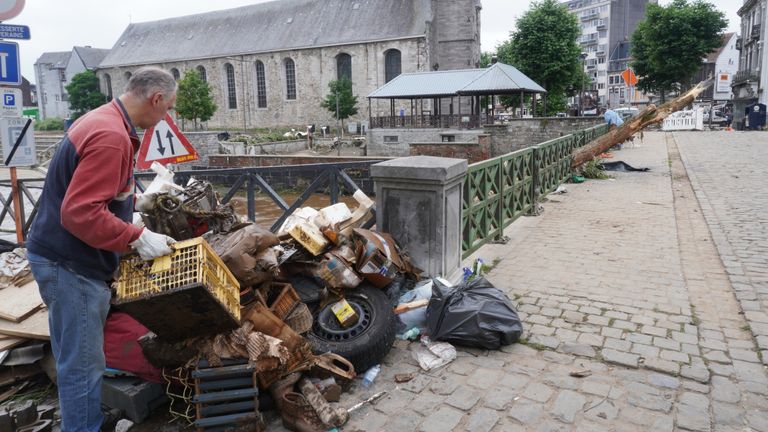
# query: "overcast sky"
56,25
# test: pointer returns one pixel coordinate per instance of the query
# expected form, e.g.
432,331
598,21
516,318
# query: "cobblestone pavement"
623,279
652,284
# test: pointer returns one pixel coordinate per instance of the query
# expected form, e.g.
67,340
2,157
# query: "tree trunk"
650,115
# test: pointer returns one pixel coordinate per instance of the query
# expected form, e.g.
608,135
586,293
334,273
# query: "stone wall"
396,142
236,148
229,161
315,68
471,151
518,134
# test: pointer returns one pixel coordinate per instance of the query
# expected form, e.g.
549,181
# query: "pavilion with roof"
453,97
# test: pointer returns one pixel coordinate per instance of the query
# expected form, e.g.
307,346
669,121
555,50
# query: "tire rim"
328,327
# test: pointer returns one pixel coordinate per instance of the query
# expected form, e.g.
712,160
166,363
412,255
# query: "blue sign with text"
11,31
10,68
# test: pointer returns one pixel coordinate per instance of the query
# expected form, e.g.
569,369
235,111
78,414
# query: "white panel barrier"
685,120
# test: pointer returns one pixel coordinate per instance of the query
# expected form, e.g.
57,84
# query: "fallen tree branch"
650,115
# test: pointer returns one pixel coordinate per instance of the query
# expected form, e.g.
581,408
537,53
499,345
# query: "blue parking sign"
10,67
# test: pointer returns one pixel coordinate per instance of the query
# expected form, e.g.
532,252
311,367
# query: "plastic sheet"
474,313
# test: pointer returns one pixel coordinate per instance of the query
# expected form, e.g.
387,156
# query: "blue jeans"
77,311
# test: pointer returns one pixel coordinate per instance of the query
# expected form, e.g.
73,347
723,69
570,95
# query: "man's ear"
156,98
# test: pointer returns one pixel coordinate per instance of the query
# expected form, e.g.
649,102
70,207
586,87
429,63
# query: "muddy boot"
279,388
298,415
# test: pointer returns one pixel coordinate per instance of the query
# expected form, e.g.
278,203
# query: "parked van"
626,113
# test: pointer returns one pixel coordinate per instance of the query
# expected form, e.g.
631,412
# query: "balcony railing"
744,76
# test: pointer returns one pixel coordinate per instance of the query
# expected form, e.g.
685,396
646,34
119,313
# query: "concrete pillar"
418,202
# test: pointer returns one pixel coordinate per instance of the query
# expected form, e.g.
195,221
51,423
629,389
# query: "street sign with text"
11,105
13,31
10,69
10,129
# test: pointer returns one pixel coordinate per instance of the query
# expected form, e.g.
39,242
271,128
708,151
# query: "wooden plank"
17,303
11,342
34,327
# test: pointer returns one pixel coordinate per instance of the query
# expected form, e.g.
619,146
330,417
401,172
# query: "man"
82,227
613,118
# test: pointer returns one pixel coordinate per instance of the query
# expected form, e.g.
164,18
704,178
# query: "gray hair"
149,80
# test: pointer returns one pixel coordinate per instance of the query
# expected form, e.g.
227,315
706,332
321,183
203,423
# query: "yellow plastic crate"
187,293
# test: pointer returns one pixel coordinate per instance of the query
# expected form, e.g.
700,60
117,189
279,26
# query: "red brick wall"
472,152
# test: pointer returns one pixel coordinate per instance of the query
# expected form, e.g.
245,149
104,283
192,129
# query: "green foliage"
544,47
670,42
193,99
485,59
347,102
84,94
50,124
594,170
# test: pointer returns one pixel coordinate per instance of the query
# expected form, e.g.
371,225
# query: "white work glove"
151,245
144,202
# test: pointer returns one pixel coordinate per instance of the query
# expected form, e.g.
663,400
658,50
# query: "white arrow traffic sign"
165,144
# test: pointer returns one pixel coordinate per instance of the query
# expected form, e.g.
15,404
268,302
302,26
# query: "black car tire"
366,342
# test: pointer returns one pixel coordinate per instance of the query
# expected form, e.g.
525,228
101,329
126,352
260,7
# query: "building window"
392,65
127,76
202,73
63,75
231,90
391,139
261,85
344,66
108,84
290,79
175,73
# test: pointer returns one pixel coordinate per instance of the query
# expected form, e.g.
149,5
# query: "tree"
544,47
84,94
341,91
193,99
669,44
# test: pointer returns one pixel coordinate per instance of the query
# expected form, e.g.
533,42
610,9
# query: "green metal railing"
497,191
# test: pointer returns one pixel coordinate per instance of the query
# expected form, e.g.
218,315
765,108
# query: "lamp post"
582,57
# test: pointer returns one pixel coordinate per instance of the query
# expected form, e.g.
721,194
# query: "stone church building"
269,64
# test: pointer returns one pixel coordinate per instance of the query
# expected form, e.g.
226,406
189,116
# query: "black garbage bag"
475,314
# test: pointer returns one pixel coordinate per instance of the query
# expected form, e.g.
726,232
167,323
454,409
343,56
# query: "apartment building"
749,82
606,30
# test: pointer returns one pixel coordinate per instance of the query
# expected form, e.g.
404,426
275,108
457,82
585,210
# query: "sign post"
14,135
630,79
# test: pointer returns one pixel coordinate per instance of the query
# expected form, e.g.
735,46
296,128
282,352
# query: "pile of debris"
293,314
239,320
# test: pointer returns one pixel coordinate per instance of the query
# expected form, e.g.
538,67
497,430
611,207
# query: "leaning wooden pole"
650,115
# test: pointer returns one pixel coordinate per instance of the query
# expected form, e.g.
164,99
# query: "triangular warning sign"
165,144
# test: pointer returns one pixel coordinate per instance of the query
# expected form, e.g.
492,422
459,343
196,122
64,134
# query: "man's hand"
151,245
145,202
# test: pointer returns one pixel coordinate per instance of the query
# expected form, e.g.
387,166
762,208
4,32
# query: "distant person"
613,118
82,227
728,117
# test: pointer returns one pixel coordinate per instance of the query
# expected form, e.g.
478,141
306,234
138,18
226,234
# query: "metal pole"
338,126
16,197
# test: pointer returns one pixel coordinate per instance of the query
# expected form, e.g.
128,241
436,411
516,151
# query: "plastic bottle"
370,375
411,334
